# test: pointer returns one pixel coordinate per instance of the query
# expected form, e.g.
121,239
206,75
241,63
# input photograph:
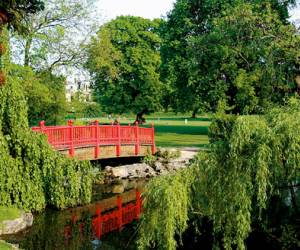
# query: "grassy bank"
5,246
8,213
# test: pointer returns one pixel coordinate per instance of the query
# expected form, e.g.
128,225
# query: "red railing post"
42,128
71,150
67,233
128,136
118,146
98,223
120,220
138,204
137,139
97,148
42,125
74,220
152,139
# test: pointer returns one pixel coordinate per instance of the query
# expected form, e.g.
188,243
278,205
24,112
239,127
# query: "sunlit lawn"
176,133
5,246
173,130
8,213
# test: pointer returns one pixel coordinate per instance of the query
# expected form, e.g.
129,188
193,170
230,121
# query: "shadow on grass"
180,145
186,130
180,140
201,119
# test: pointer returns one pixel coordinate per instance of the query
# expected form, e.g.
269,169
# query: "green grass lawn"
5,246
8,213
177,131
171,130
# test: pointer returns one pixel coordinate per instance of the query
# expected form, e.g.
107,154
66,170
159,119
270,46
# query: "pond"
78,228
75,228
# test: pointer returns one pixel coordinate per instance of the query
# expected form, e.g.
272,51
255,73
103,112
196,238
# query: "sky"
295,13
144,8
147,8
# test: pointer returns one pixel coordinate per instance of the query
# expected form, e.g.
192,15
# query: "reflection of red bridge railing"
110,221
97,136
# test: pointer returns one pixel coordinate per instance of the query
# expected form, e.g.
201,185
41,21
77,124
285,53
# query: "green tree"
248,60
92,110
13,11
56,110
44,93
124,60
175,32
192,20
47,41
77,104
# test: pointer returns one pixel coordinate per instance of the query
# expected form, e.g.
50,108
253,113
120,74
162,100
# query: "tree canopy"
13,11
124,60
249,60
44,93
47,43
202,40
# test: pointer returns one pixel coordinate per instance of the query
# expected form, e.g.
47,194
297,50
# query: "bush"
32,175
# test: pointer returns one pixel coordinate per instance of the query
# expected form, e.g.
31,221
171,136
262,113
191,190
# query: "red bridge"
99,141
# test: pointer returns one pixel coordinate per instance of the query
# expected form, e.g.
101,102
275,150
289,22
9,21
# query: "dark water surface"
51,229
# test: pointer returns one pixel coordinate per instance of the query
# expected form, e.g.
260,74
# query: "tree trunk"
27,51
2,52
194,113
293,199
140,117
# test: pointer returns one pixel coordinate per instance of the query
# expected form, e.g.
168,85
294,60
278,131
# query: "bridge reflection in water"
82,227
102,223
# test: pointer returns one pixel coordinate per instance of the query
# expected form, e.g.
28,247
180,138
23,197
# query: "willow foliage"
166,198
32,175
251,159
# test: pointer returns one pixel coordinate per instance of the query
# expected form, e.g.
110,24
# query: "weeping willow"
32,175
251,158
168,199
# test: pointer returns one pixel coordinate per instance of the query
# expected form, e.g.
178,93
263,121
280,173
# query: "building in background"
78,88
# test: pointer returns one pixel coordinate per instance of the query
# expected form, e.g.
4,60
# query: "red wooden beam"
97,148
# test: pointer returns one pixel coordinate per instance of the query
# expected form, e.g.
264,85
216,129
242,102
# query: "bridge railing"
71,137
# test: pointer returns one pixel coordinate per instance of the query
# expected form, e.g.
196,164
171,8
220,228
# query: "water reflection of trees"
73,230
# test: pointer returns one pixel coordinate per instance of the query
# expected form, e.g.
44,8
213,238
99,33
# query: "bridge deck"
99,141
